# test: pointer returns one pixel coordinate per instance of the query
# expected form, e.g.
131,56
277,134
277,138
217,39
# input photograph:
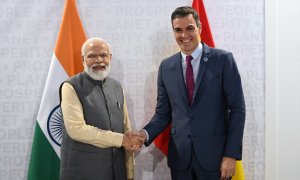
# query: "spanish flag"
66,61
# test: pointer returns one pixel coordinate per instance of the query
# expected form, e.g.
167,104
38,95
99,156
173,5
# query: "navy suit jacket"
214,123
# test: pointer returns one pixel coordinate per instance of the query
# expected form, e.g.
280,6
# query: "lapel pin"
205,59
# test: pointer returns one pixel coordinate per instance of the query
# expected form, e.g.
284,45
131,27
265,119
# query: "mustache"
99,65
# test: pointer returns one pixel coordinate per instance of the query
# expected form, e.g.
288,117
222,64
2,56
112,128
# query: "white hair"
90,40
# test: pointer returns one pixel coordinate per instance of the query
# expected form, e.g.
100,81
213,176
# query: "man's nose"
183,34
98,59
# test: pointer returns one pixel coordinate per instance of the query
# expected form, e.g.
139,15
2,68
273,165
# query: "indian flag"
162,141
66,61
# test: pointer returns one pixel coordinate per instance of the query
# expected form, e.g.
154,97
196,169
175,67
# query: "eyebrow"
189,26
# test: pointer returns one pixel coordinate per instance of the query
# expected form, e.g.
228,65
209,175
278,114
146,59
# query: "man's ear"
82,57
200,28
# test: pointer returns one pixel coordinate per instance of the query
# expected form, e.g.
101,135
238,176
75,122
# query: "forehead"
96,46
182,22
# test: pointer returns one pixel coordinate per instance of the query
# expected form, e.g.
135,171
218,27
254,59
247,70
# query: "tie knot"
188,59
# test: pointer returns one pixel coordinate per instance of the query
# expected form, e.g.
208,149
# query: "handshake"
133,140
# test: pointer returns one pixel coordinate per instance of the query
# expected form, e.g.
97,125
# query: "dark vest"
102,103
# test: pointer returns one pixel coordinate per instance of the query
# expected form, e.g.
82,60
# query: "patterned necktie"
189,79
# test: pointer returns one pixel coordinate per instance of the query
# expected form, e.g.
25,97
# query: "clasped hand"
133,141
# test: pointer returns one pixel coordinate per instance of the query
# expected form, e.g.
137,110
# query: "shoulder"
218,56
171,59
216,52
75,78
113,81
69,83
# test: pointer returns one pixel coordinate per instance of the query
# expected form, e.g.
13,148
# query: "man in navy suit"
203,101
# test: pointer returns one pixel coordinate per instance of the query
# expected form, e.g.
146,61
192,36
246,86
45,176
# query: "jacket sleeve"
162,115
233,92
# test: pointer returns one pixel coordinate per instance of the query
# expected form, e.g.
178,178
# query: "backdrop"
141,36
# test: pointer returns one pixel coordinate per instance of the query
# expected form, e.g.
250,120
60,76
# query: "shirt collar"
195,54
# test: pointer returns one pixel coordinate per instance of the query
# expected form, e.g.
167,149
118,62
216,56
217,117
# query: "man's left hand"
227,168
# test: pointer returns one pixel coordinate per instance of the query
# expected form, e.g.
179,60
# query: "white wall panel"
282,89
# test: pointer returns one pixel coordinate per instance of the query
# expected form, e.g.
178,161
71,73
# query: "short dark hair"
185,11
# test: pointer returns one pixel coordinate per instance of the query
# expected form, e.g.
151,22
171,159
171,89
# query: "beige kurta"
78,130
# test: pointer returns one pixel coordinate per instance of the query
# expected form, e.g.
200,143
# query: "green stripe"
44,162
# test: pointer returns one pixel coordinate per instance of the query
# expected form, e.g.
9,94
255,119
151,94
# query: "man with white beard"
97,141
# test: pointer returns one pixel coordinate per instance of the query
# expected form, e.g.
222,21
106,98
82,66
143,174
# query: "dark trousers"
195,172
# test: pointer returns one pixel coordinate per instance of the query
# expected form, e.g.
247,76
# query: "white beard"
98,76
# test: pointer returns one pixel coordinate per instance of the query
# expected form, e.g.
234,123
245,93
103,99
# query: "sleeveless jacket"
102,103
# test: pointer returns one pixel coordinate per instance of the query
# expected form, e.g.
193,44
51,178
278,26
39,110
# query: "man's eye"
177,30
92,56
103,55
191,28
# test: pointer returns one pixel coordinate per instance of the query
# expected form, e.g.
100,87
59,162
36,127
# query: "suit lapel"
181,83
202,69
